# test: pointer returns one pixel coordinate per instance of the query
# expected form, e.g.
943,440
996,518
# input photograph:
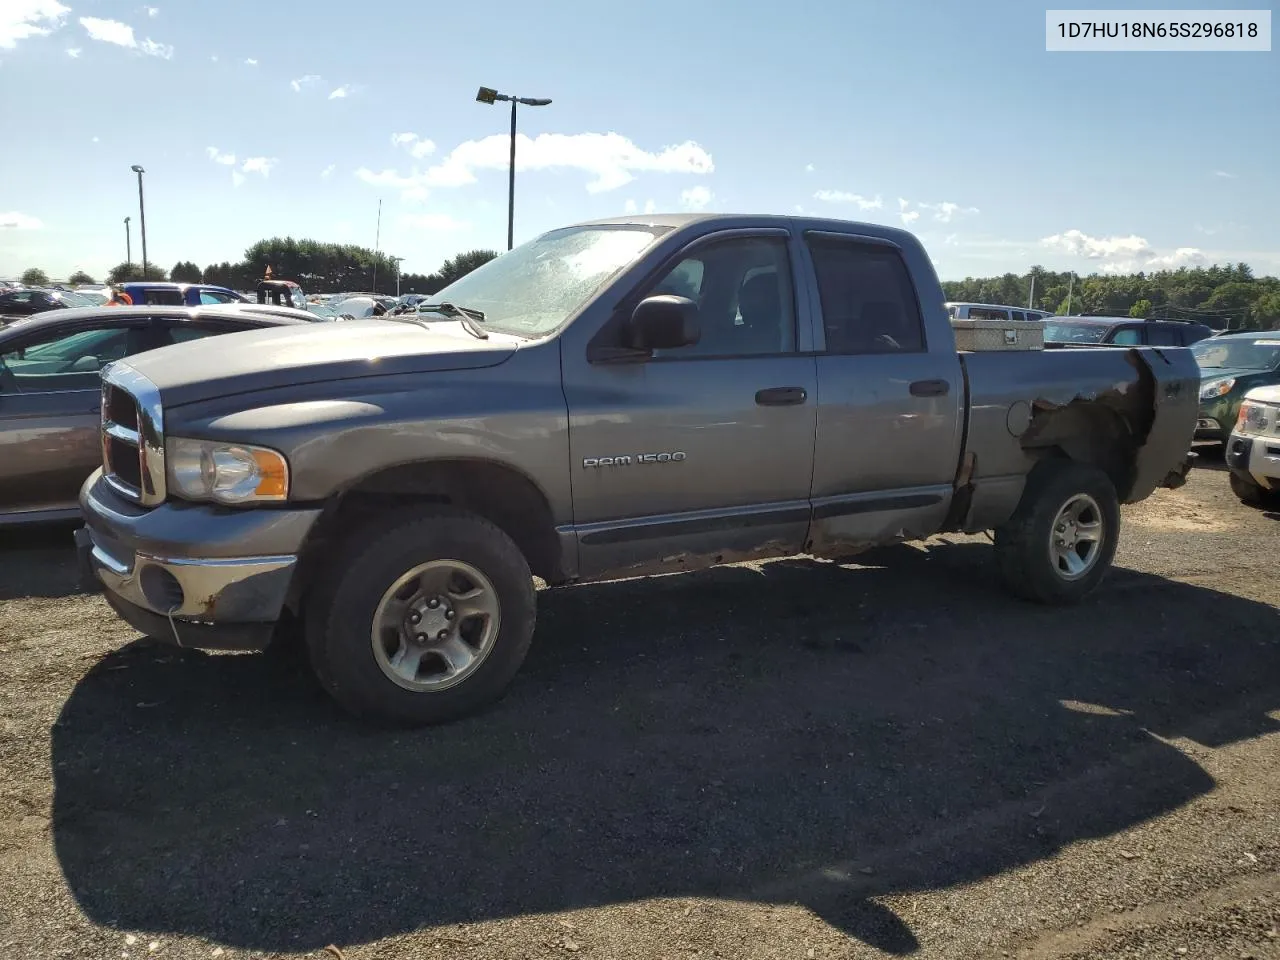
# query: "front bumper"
201,576
1257,457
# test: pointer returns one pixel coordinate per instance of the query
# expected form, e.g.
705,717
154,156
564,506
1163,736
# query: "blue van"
179,294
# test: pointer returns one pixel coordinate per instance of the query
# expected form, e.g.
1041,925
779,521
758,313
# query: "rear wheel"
1252,493
1060,541
425,619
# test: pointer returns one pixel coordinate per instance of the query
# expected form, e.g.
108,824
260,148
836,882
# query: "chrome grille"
132,435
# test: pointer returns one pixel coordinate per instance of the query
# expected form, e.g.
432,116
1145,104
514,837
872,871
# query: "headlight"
1216,388
1254,417
225,472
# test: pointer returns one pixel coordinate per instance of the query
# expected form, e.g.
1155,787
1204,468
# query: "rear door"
890,404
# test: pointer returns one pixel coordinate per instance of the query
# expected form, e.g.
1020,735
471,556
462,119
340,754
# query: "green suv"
1230,366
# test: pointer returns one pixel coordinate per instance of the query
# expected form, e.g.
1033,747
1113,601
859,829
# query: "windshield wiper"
468,316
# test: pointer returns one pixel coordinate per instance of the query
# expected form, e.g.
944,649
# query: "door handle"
930,388
781,396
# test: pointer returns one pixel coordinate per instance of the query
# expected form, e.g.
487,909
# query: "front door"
700,454
890,412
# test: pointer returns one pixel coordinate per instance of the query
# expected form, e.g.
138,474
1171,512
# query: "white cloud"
1181,257
696,198
23,19
418,147
251,62
841,196
327,172
213,58
945,211
630,207
237,178
650,206
306,81
152,11
610,159
908,216
153,49
109,31
1224,174
339,93
432,221
1080,244
95,139
121,34
226,159
73,52
808,168
13,220
260,165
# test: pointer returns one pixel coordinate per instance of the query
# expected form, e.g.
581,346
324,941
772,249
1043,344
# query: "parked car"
178,294
394,484
993,311
30,301
1253,450
50,391
1230,366
1121,332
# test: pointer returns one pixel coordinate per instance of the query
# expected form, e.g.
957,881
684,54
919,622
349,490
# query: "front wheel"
422,618
1060,541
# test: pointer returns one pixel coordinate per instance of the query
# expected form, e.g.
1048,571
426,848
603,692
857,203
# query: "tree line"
1224,297
318,267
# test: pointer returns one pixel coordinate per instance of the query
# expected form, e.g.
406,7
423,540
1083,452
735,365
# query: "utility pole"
142,216
1071,282
128,243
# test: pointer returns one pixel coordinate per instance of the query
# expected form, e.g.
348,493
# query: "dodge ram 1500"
615,398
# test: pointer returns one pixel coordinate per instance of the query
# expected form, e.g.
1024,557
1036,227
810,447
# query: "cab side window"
743,290
1127,337
1159,335
213,296
868,301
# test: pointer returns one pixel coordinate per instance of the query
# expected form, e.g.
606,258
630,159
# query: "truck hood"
252,360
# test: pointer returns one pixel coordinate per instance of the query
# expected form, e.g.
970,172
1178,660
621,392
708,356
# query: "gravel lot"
789,759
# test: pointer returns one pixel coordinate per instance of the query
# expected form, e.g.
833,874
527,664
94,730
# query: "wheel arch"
499,492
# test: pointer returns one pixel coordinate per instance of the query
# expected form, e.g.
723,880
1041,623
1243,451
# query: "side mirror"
663,322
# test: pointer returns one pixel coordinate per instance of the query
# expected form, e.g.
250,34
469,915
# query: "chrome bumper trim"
238,589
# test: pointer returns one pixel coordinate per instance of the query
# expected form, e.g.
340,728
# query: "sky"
256,119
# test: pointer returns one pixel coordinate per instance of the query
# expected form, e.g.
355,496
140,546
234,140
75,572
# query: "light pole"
397,263
490,96
142,216
128,243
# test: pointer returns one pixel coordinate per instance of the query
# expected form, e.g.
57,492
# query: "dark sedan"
1121,332
50,391
28,302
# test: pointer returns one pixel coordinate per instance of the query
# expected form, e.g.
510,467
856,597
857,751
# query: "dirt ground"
788,759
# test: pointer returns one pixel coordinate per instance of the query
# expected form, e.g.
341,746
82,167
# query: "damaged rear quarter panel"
1017,397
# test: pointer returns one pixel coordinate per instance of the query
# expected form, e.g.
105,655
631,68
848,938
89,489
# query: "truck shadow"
804,733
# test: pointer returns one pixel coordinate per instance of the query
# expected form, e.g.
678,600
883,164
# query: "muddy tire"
1060,541
1251,494
423,617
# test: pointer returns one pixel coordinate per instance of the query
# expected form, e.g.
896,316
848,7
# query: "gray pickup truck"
616,398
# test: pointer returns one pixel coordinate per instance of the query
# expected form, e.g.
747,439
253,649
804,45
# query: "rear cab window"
867,298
